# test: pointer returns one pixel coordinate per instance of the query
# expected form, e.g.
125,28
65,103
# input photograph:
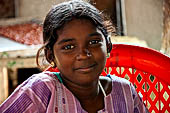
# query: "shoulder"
124,88
122,84
116,79
113,83
37,90
43,79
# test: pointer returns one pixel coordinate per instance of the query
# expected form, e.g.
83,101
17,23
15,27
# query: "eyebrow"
65,40
71,39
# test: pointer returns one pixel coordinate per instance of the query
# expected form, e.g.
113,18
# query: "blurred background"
138,22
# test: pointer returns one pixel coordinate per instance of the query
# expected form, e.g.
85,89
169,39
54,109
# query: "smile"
86,69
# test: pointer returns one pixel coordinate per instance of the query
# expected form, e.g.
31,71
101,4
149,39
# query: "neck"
84,93
88,95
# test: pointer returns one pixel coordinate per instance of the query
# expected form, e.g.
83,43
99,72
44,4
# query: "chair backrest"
147,69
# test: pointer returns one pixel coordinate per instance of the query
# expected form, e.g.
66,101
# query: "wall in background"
144,19
34,8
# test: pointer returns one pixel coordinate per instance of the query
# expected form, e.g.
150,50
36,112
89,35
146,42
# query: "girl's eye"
67,47
94,42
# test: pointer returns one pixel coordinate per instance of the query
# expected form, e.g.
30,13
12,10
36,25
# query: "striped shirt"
44,93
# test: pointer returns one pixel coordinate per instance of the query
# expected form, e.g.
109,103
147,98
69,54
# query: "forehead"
78,30
76,23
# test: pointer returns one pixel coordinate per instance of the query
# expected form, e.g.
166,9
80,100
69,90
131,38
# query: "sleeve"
28,98
139,106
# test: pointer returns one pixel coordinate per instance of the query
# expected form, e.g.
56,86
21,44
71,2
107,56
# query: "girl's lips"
86,69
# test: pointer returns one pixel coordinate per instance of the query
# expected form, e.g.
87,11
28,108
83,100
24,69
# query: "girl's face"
80,52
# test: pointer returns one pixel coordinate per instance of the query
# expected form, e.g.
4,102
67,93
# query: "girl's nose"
83,54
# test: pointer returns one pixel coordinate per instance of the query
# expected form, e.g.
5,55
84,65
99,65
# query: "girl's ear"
109,47
109,44
49,55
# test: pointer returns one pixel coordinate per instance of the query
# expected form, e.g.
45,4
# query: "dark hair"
65,12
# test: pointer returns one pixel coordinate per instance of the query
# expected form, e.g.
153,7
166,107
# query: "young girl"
76,43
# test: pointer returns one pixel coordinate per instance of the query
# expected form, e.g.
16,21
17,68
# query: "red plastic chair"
147,69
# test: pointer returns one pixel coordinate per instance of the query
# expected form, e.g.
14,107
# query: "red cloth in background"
28,33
